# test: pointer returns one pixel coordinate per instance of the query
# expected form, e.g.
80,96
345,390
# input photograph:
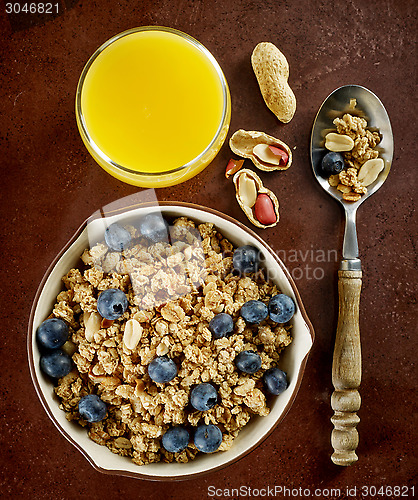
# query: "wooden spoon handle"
346,370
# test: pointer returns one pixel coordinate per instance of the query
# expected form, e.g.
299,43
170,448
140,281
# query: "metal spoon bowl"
346,367
370,107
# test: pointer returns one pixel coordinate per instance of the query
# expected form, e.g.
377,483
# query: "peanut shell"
243,142
249,211
272,71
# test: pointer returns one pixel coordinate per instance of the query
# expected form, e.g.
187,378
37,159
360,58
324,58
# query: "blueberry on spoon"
332,164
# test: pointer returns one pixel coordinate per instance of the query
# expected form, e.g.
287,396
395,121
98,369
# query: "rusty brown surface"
50,185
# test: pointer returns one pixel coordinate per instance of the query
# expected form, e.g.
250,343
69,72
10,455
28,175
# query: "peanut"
264,210
369,171
338,142
272,71
247,190
253,145
92,324
132,334
270,154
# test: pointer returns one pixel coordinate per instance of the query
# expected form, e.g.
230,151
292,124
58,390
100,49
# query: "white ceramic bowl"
293,360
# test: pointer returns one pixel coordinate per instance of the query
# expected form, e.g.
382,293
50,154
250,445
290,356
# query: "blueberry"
203,397
207,438
154,227
176,439
56,363
52,333
281,308
92,408
162,369
248,361
112,303
332,164
254,311
246,259
275,381
117,237
221,325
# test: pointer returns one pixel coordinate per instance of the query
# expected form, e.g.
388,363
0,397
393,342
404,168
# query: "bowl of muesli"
172,335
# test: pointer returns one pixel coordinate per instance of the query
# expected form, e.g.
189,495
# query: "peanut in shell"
249,211
272,72
243,142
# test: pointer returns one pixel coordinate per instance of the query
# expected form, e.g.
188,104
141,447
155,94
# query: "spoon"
346,365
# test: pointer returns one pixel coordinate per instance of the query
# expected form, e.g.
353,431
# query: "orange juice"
153,106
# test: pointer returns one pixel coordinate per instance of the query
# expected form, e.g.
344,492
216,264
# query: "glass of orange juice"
153,106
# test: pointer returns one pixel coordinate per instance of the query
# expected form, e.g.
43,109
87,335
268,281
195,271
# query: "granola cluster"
174,290
364,143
